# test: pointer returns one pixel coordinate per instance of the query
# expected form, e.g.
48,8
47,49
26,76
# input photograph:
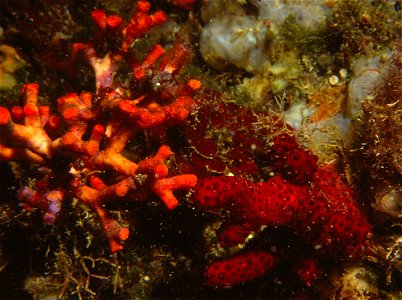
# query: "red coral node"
159,17
30,90
30,110
126,106
123,234
71,114
143,6
54,122
99,17
113,21
17,112
98,131
5,116
194,84
97,183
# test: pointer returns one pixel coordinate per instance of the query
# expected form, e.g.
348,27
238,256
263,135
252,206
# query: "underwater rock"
357,283
214,9
382,117
366,75
236,40
389,201
307,13
10,62
243,40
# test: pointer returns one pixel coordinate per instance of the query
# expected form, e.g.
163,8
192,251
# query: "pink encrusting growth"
91,132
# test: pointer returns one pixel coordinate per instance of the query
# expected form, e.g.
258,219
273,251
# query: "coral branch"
95,198
164,188
31,139
140,23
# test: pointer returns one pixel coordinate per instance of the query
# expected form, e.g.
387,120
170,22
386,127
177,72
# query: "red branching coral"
27,138
91,133
313,202
139,24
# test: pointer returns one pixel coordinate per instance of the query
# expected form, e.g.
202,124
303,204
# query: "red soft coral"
291,160
323,211
238,269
